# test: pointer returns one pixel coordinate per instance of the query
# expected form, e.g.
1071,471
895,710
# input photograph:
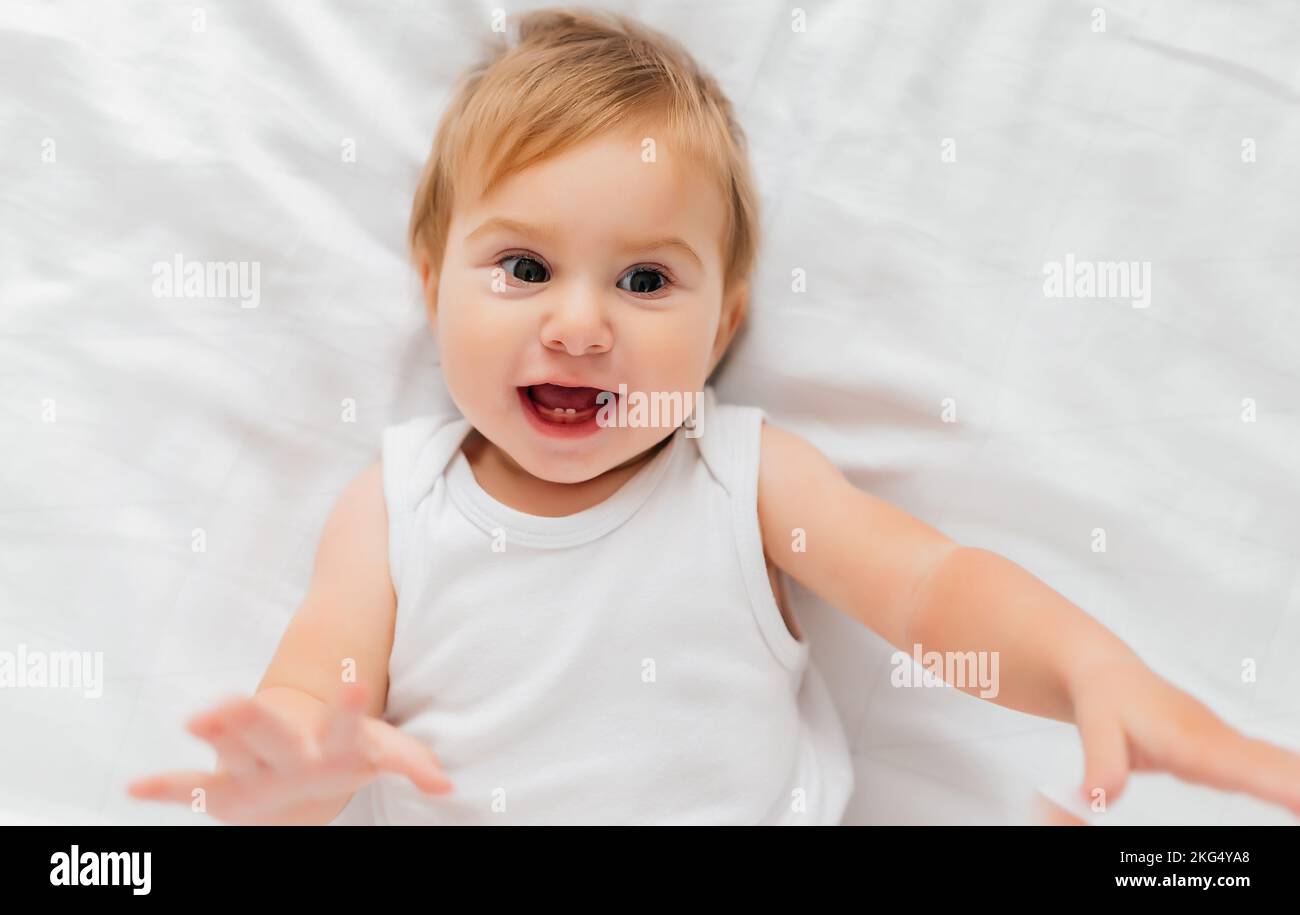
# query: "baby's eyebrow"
655,244
544,233
500,224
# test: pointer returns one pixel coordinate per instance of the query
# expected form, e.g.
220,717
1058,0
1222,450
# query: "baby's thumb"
1105,756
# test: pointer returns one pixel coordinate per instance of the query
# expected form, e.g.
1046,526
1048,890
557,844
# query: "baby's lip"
570,382
553,396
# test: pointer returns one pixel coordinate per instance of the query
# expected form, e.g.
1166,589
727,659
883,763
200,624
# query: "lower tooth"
559,411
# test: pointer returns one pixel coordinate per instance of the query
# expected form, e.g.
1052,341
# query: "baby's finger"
1235,762
402,754
343,721
1105,754
217,716
233,753
229,799
171,787
271,738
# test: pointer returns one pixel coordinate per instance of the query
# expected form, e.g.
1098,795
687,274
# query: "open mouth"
557,409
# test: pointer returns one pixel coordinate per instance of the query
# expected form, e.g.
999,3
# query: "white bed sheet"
924,282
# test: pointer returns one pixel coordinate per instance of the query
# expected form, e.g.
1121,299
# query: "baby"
565,603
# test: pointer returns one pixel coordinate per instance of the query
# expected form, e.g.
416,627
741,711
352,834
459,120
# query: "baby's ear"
428,284
735,304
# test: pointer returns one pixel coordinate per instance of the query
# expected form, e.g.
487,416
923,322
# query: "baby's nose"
579,326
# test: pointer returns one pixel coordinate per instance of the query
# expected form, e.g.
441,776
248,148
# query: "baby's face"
591,269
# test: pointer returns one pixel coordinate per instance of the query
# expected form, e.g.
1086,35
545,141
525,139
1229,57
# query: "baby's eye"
524,268
643,280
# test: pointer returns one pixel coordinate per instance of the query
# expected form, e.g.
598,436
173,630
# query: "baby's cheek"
473,320
678,347
464,345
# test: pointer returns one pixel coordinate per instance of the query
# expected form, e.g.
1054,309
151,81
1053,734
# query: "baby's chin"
579,466
570,469
568,479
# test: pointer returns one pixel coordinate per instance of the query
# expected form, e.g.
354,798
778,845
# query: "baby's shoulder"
414,452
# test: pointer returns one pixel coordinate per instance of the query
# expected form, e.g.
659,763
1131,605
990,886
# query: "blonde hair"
573,75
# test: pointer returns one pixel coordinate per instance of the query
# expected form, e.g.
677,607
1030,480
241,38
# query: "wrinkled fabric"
166,461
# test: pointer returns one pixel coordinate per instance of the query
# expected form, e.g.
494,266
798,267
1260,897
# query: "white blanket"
166,462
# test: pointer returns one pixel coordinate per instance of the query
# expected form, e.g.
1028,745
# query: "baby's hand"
1130,719
272,765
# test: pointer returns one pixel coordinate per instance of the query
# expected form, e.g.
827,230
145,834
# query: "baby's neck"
512,486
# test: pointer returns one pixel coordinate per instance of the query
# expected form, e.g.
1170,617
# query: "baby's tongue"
555,396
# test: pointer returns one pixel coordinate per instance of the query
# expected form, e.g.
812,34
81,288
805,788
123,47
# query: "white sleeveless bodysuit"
627,664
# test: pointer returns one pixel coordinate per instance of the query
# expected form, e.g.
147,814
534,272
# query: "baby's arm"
299,749
912,585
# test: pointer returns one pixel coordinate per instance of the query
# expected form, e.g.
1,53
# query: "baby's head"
586,219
